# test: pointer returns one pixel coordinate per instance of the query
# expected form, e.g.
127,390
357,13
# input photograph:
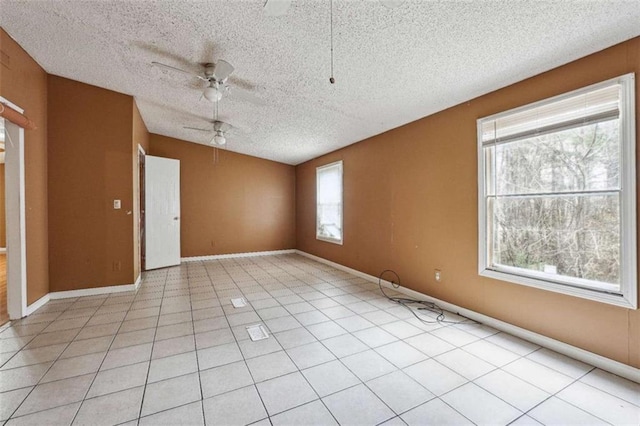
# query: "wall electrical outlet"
438,275
117,204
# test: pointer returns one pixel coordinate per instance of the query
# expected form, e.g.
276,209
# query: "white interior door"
162,212
15,219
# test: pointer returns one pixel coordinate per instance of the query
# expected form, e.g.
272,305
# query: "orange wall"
239,204
24,82
410,204
90,165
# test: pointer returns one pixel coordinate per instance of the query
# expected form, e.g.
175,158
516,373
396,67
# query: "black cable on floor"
421,304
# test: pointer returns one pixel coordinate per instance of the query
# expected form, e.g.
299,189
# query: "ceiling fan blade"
169,67
276,7
243,95
196,128
222,70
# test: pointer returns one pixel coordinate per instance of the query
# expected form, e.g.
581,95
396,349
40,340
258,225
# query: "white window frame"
628,295
319,169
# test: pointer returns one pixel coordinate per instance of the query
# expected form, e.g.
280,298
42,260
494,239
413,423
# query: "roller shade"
579,110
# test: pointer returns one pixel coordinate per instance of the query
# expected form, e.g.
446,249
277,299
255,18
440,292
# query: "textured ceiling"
392,65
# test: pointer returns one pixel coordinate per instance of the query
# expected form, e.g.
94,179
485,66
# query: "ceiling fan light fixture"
212,93
219,139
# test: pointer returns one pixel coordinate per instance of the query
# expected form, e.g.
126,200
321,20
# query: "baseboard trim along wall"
591,358
96,290
234,255
37,304
82,292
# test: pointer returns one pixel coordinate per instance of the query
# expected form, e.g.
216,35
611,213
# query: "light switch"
116,204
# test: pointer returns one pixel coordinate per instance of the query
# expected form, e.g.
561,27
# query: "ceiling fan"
221,131
216,75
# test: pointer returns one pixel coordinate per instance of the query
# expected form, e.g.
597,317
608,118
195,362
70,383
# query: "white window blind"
584,108
329,202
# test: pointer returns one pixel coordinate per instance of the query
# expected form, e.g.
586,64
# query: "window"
557,196
329,202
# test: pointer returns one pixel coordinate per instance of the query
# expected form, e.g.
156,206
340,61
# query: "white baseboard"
235,255
82,292
136,284
591,358
95,291
37,304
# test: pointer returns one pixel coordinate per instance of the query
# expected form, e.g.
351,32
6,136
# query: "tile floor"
177,352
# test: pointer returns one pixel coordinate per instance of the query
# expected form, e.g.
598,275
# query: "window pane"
329,202
571,236
329,221
330,186
585,158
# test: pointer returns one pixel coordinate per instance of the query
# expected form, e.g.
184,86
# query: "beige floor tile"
118,379
35,356
90,332
46,339
190,414
172,366
174,330
71,367
226,378
87,346
21,377
59,416
174,346
66,324
218,355
110,409
242,406
10,400
55,394
171,393
125,356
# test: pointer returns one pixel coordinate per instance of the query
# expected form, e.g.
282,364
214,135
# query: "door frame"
15,217
141,209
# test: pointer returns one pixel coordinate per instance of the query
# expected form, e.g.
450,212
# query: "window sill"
329,240
629,301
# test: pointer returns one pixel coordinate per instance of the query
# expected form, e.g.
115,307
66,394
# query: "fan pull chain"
215,148
331,79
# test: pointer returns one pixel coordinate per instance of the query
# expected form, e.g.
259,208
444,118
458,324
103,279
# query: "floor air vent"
257,332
